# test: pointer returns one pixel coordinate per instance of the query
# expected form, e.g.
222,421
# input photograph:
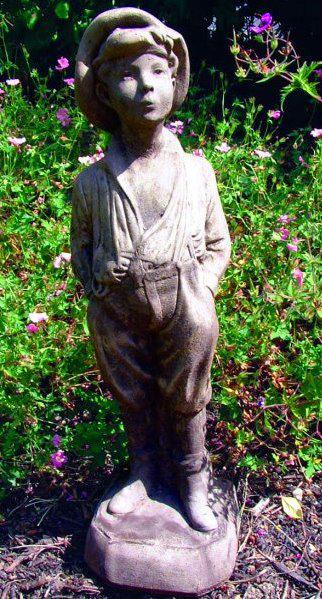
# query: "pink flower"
193,134
318,72
63,116
99,154
274,114
176,127
58,459
56,440
317,133
298,275
293,246
62,63
13,82
223,148
198,152
63,257
87,160
302,161
32,328
2,91
16,141
38,317
286,218
262,153
265,22
284,233
69,81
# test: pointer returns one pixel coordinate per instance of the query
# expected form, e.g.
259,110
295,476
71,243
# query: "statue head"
130,66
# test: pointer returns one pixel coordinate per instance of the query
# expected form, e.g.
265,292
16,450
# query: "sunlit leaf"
292,507
62,10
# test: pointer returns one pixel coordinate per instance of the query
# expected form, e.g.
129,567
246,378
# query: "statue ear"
102,93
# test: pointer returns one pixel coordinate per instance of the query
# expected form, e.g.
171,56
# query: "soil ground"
42,536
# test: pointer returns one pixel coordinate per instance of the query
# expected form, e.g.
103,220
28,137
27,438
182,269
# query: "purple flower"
317,133
63,116
56,440
58,459
32,328
265,22
274,114
284,233
261,402
260,532
69,81
302,161
293,246
198,152
298,275
62,63
318,72
286,218
16,141
176,127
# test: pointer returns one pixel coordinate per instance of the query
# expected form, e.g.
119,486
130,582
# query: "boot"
192,472
142,465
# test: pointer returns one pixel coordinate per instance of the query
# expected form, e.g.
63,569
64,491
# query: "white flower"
262,153
63,257
223,148
86,160
38,316
12,82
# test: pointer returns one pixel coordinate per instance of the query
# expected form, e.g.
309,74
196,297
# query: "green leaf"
62,10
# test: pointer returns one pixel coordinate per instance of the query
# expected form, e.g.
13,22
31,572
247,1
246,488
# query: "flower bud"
241,73
274,43
235,49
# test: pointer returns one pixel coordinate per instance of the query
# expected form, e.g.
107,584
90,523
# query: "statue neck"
145,143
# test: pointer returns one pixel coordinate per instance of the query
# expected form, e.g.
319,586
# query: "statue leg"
190,458
184,350
142,450
125,361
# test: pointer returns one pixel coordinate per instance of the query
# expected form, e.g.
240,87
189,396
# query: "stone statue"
149,244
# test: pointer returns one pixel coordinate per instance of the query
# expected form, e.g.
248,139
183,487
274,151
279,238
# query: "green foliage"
265,375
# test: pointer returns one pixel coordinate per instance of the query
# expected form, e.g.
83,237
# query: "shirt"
106,220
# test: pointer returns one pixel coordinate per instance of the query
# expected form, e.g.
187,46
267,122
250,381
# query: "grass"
266,386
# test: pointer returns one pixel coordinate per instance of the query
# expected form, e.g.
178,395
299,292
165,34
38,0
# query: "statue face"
140,89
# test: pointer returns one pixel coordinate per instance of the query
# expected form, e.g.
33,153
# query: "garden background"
59,425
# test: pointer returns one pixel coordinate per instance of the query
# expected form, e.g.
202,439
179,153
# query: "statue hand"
117,271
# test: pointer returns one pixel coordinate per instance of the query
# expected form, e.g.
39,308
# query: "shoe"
191,467
140,482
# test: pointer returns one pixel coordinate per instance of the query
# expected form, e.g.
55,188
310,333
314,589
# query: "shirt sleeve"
217,238
81,237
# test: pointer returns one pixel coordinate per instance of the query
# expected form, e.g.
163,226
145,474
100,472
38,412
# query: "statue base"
153,549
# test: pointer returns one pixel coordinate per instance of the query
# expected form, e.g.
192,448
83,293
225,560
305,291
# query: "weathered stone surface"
154,548
150,243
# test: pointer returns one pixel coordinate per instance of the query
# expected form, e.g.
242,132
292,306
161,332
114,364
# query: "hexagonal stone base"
154,549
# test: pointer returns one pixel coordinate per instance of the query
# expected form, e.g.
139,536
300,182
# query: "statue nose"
146,84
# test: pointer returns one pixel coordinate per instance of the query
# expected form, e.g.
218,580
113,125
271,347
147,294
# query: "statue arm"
217,238
81,237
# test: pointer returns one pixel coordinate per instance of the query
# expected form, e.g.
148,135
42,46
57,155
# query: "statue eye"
126,75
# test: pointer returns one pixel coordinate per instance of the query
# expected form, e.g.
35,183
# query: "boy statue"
149,244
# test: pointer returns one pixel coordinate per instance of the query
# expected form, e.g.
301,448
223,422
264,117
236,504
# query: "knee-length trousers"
155,338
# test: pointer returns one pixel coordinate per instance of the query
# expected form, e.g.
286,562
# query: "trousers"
154,336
